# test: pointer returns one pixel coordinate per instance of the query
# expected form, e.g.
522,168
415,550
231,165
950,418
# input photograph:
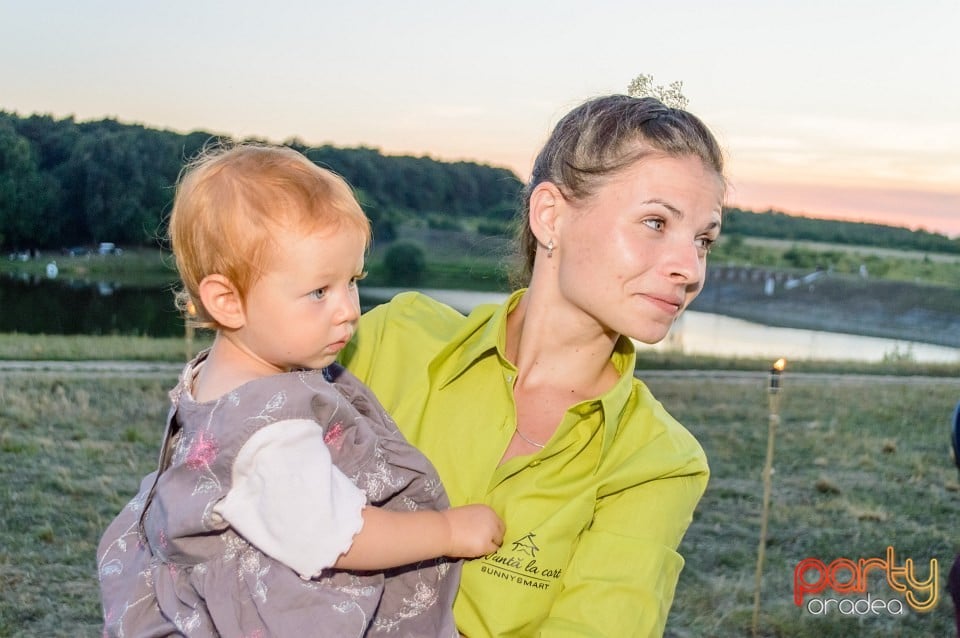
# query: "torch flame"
780,364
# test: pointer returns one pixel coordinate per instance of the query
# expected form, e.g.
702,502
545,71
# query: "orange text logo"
845,576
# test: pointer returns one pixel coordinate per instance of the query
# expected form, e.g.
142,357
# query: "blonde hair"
228,201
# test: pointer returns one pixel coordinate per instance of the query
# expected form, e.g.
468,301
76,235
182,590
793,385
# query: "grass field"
862,462
15,346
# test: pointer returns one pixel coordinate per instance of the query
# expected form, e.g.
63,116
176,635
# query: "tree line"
777,225
66,183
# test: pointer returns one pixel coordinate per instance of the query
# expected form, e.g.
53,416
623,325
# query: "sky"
847,109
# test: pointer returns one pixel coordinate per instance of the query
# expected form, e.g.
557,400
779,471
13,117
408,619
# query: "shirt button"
534,463
510,378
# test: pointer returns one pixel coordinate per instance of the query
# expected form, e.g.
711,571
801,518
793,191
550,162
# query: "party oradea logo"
879,586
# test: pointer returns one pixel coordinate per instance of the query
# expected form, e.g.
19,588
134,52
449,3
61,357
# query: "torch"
773,401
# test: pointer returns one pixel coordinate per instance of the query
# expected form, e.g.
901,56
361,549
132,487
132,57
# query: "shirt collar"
614,401
484,333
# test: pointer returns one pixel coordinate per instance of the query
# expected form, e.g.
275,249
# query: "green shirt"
592,521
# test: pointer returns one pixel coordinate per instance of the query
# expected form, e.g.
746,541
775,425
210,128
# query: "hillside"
871,307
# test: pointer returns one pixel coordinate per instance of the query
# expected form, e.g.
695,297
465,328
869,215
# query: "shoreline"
883,309
868,308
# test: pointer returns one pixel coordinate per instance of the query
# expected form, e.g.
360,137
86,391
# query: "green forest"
67,184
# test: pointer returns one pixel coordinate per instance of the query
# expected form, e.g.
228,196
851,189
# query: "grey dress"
168,565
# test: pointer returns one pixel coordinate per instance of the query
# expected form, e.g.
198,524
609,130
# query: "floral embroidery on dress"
334,436
347,606
248,562
203,450
137,502
353,590
378,478
273,404
114,566
197,453
424,597
188,624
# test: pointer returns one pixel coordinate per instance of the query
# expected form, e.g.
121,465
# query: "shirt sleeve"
612,572
290,501
621,564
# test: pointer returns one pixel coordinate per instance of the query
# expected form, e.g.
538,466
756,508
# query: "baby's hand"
475,530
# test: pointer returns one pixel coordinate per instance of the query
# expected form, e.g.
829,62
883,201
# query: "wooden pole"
773,403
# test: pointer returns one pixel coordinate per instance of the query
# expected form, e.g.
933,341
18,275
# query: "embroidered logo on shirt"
519,564
526,545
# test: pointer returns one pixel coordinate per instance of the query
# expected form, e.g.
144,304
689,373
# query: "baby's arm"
291,502
390,538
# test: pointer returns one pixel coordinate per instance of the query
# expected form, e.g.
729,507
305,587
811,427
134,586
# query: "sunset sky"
848,109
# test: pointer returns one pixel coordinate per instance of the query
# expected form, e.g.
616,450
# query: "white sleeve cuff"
290,501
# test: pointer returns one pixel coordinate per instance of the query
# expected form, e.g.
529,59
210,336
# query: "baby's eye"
655,223
318,293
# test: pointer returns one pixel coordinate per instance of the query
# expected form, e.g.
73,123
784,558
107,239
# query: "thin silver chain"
533,443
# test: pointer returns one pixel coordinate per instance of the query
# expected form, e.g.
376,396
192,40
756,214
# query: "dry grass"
71,452
861,463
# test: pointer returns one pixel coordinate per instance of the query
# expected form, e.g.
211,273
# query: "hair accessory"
549,249
671,96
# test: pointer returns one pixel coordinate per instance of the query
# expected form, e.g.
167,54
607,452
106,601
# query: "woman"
532,408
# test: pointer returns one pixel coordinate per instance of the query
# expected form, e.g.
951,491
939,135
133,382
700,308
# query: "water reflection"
706,333
32,305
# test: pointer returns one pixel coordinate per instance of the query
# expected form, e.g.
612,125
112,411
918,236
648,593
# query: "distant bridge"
769,278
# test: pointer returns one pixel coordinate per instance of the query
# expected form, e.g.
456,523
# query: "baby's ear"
222,301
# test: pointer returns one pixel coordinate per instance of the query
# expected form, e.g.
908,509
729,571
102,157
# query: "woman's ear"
545,203
222,301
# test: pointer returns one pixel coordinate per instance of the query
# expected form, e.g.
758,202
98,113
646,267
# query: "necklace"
533,443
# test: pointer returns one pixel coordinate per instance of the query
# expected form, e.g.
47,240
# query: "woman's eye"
705,244
655,223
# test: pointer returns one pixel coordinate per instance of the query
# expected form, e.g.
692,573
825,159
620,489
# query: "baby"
285,502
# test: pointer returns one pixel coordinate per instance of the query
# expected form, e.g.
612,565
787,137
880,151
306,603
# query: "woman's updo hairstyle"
603,136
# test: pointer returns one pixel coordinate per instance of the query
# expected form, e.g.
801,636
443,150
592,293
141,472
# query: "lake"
712,334
42,306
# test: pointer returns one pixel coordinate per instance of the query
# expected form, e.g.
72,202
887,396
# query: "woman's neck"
553,344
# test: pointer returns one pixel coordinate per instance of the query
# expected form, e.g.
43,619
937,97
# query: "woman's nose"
685,261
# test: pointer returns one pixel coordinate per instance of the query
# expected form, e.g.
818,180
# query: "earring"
549,249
